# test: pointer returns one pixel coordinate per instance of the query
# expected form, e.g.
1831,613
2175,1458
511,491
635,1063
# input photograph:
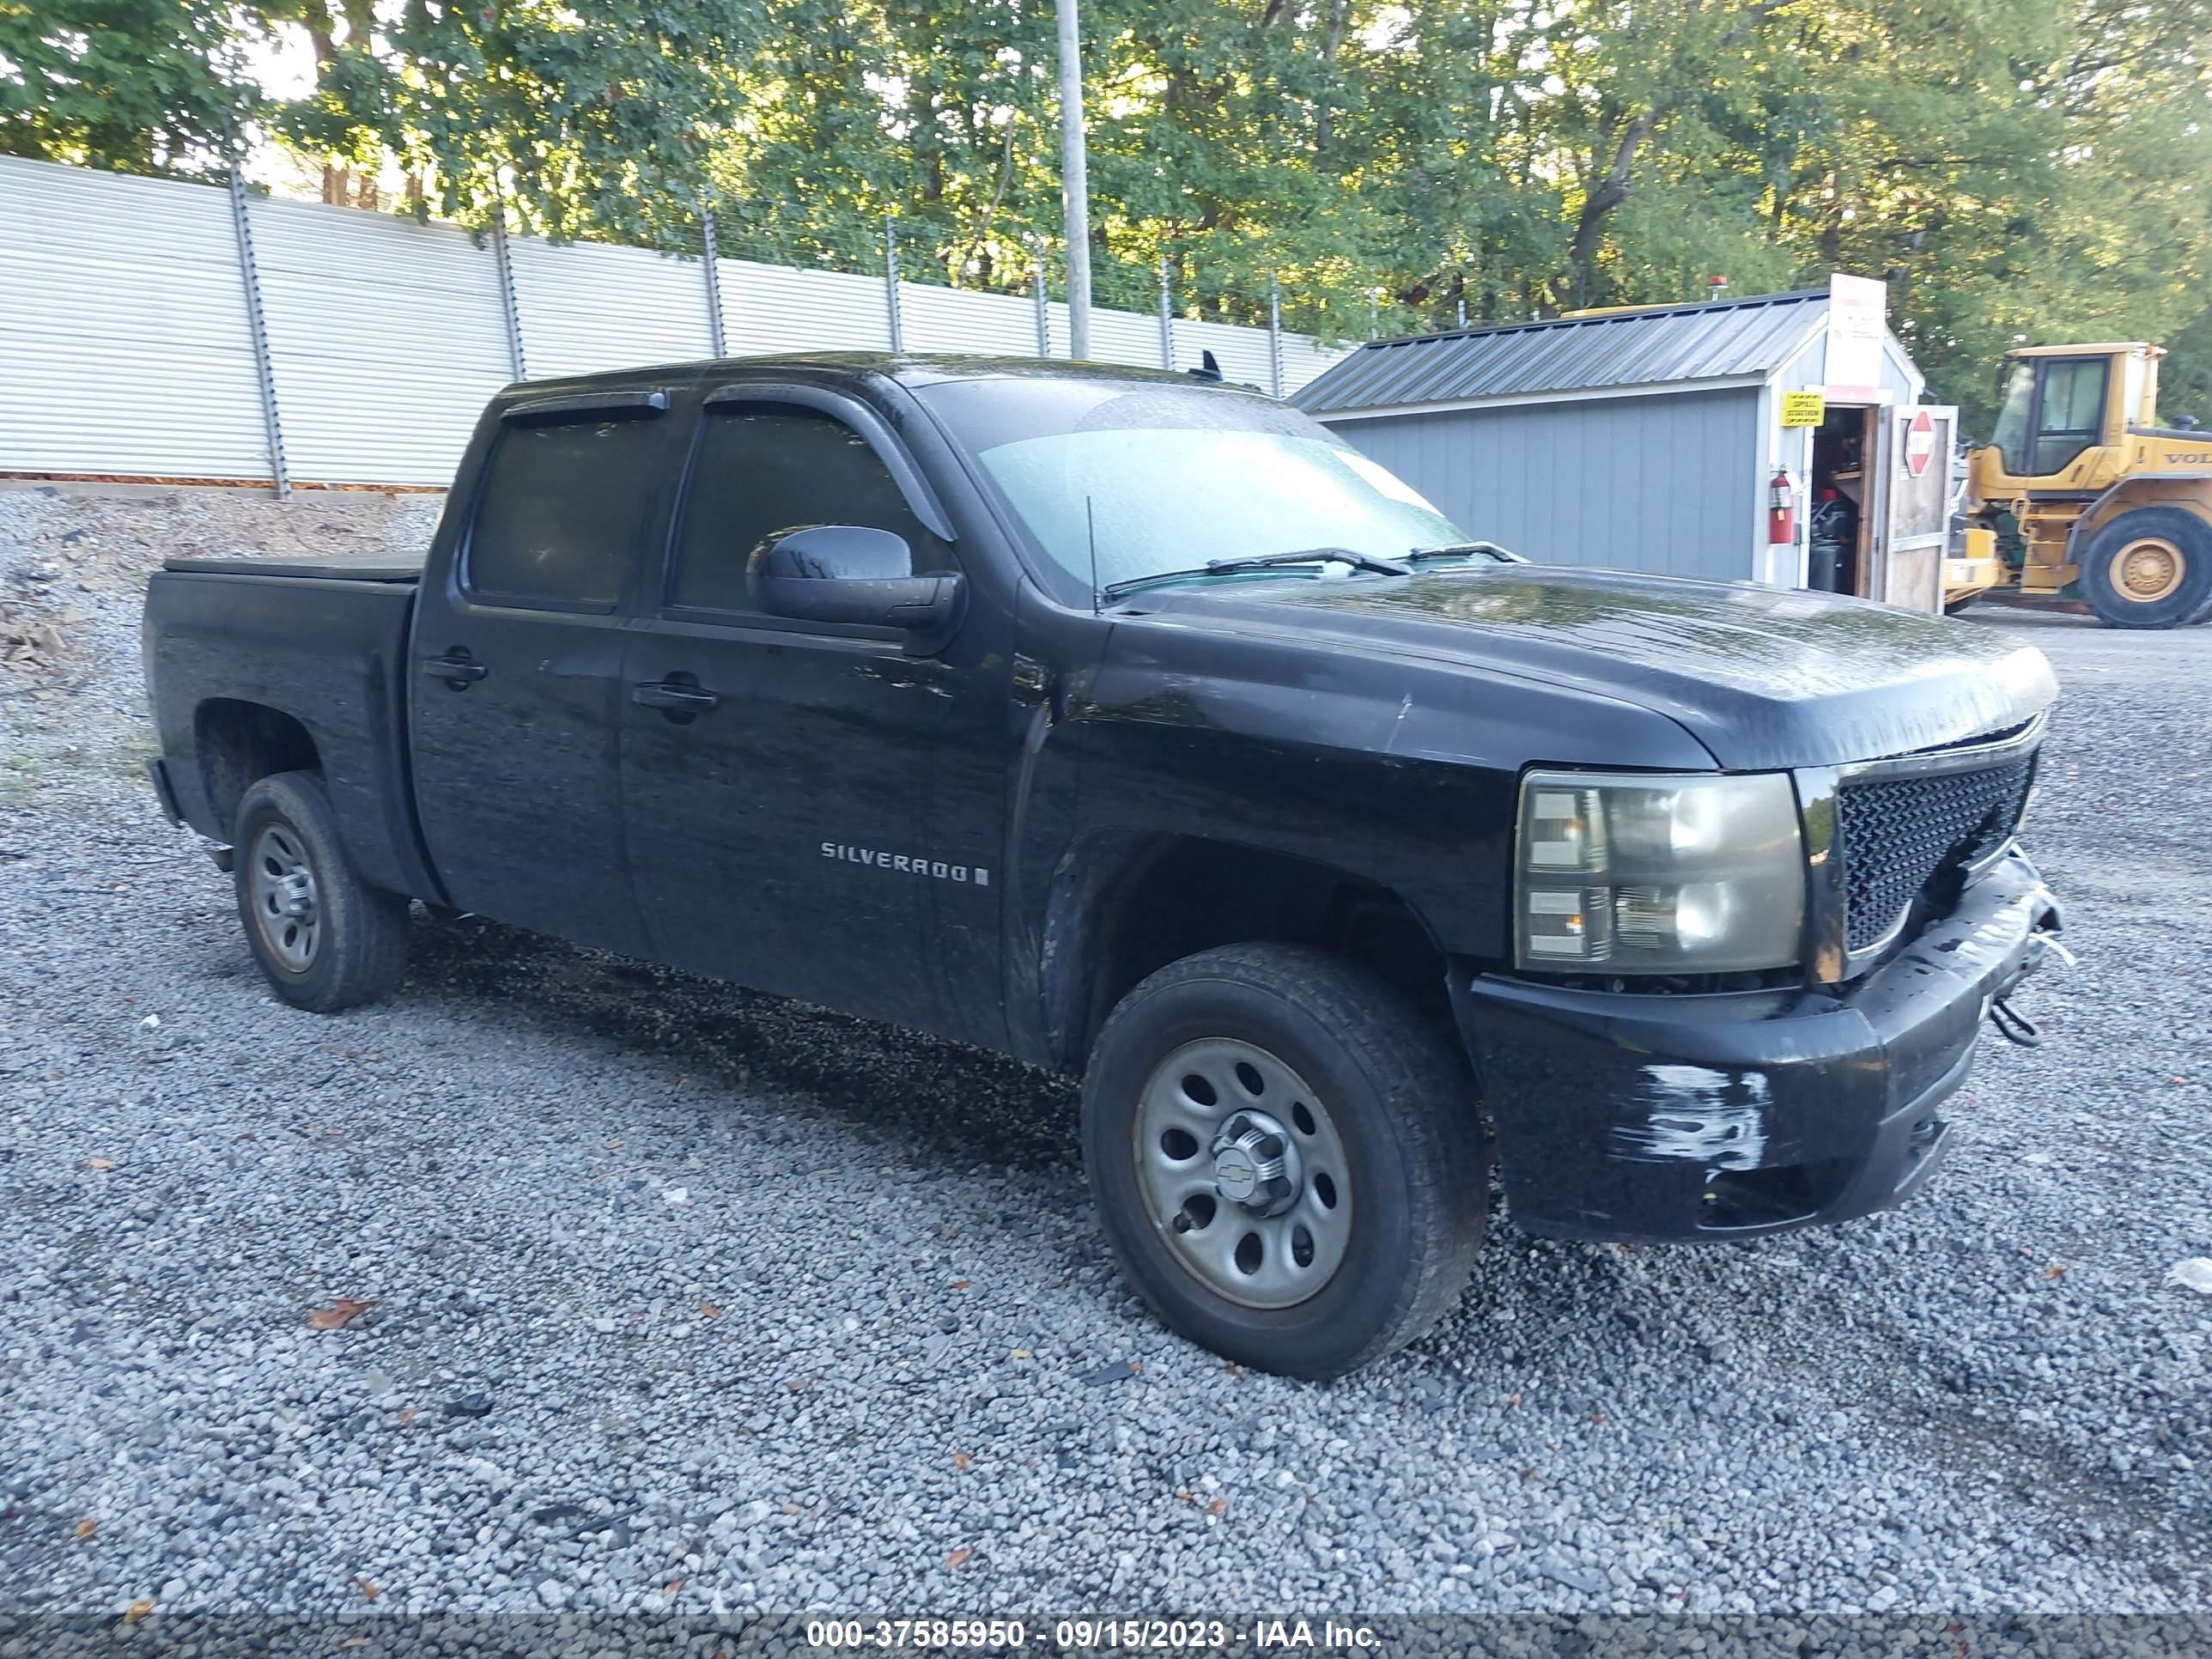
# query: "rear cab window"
559,508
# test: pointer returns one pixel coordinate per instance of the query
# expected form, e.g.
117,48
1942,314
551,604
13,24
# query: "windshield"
1165,477
2015,398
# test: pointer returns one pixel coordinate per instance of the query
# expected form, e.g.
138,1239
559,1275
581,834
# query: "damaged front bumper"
1641,1116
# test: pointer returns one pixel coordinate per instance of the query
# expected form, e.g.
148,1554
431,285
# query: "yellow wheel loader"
2111,507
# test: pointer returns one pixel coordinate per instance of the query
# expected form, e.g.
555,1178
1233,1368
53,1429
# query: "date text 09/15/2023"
1091,1635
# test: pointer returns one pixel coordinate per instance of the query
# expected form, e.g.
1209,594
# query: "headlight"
1630,874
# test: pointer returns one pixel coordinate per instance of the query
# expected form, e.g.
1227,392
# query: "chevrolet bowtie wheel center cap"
1255,1164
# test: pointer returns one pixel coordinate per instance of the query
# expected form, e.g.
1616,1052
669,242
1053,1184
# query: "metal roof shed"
1644,440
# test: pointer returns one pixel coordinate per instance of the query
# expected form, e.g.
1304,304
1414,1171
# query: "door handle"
456,668
674,697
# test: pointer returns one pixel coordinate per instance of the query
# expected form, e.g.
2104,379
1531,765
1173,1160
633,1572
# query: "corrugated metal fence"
130,308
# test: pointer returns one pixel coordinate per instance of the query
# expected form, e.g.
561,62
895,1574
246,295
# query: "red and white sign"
1858,322
1919,443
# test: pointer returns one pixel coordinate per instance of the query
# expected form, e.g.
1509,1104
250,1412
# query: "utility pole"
1074,184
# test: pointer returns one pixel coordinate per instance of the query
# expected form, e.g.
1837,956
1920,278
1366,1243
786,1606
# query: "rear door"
781,827
519,695
1916,486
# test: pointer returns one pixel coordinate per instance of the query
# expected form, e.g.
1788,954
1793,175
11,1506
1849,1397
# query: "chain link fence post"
509,308
711,262
1275,334
891,284
257,324
1043,305
1167,320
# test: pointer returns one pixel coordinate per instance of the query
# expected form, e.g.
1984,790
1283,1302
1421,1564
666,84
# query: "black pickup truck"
1137,727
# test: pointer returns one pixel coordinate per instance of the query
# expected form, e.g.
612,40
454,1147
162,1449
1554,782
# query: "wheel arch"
1123,904
238,742
2190,491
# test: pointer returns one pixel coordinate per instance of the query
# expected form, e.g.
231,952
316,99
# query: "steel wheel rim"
2148,570
1276,1255
286,909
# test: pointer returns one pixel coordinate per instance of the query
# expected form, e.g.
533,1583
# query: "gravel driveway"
663,1295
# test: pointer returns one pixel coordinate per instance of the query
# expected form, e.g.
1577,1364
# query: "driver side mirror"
846,573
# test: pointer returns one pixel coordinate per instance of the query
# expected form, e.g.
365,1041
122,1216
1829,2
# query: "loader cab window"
2070,412
2015,413
2053,409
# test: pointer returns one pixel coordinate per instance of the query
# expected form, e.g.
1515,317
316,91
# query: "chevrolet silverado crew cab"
1137,727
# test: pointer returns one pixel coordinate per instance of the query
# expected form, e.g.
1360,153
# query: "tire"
1394,1225
329,941
2151,567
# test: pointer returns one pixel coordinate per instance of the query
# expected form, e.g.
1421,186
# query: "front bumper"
1640,1117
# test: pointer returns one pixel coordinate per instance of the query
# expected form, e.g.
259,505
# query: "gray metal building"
1643,439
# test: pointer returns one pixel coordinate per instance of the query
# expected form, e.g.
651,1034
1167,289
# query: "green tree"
2016,170
136,86
938,115
573,117
2013,169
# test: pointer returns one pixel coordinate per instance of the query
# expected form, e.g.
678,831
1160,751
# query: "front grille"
1898,835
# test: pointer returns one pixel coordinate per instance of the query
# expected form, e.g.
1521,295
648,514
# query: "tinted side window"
760,469
557,513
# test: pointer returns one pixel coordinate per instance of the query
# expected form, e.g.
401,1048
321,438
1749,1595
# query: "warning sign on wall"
1919,443
1858,308
1803,409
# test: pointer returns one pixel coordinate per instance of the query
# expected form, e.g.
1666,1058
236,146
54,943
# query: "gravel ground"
677,1297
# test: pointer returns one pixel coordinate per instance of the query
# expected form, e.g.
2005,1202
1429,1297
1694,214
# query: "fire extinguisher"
1781,511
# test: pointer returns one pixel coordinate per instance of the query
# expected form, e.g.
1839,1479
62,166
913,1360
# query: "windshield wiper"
1466,549
1264,562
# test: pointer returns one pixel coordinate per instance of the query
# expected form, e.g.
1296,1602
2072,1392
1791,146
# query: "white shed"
1651,438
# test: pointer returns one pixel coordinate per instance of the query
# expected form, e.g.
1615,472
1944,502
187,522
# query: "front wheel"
1286,1159
324,938
2151,567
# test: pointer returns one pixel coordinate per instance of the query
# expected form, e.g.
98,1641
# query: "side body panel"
784,838
1400,772
329,654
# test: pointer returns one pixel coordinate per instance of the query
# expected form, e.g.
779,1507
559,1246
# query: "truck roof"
908,368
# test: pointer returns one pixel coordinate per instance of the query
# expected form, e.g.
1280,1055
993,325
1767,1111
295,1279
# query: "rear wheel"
1286,1159
2149,569
324,938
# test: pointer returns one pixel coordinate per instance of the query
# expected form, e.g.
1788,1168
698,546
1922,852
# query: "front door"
517,700
781,821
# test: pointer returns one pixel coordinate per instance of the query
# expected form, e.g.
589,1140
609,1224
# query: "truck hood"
1764,677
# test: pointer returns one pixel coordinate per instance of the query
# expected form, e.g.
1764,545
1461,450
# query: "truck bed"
340,567
323,642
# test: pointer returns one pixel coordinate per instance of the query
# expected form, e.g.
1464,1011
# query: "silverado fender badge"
906,864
